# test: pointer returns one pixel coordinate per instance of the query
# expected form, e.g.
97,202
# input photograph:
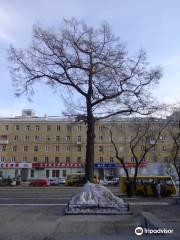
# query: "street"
28,213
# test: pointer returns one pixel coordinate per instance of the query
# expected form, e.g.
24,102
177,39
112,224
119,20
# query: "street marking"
25,198
33,204
148,203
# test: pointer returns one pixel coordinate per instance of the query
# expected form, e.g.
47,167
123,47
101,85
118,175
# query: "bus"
144,185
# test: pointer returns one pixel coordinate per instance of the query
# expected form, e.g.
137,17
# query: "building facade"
50,147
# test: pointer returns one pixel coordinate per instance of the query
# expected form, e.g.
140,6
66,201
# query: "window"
153,149
3,148
57,138
68,138
15,138
35,159
142,148
55,173
154,158
101,138
47,138
64,173
69,128
25,148
78,159
56,159
78,148
27,128
79,139
166,159
17,127
26,138
6,128
111,159
24,159
35,148
79,128
46,148
46,159
100,148
32,173
58,128
132,159
121,148
101,159
68,148
47,173
111,148
101,127
14,148
58,148
13,159
48,128
2,159
36,138
68,159
164,148
37,128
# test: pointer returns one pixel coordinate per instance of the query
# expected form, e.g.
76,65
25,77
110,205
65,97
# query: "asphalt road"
40,195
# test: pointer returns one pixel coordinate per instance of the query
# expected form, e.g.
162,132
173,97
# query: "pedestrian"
153,188
158,189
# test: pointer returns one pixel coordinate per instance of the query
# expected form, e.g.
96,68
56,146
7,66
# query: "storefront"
15,170
54,170
105,169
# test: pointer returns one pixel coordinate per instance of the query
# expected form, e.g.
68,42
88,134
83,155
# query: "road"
40,195
59,195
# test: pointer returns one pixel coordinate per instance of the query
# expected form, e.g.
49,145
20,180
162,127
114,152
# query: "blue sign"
104,165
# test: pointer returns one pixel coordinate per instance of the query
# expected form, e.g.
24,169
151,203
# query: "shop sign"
9,165
57,165
15,165
130,164
104,165
25,165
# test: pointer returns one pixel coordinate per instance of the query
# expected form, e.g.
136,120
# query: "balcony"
3,141
78,142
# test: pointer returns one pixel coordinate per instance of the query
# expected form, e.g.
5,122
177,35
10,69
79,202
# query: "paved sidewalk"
50,223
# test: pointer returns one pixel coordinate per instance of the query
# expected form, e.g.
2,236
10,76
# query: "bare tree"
93,67
145,134
174,130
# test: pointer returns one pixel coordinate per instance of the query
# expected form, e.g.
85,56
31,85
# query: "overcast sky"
153,25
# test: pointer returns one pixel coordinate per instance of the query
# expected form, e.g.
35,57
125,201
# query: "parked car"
57,181
5,182
62,180
109,181
39,183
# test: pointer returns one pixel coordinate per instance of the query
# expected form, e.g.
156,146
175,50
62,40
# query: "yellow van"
78,179
144,185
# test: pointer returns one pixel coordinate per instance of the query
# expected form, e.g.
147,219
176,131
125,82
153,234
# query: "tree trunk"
89,165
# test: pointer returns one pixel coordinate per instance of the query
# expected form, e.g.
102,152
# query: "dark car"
6,182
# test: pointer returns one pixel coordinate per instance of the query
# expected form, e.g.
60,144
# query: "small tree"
93,70
145,134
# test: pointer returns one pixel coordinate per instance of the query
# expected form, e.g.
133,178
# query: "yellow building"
50,147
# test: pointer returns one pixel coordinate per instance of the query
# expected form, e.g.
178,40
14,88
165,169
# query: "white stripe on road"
64,204
148,203
33,204
34,198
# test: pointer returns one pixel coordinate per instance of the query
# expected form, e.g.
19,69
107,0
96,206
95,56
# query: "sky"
152,25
